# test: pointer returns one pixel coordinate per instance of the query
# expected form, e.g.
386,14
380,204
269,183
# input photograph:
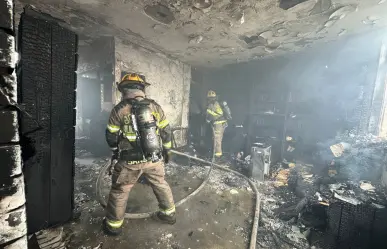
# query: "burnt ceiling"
215,32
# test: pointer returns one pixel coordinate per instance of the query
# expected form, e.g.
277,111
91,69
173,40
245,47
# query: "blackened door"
47,91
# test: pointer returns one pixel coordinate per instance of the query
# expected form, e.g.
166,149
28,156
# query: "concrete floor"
215,218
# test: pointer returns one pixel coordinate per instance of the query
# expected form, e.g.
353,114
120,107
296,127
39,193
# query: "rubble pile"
302,206
361,157
279,226
86,173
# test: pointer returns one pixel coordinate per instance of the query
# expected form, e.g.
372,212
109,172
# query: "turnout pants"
123,179
218,138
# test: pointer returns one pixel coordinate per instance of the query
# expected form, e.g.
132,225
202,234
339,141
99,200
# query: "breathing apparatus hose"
253,238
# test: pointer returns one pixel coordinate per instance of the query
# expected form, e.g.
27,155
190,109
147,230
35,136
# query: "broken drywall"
169,79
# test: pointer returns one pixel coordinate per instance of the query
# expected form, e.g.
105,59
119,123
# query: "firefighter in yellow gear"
216,117
123,135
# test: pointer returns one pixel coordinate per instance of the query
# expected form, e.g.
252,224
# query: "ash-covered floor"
300,205
220,216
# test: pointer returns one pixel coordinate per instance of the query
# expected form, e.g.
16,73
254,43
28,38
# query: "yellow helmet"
133,80
211,94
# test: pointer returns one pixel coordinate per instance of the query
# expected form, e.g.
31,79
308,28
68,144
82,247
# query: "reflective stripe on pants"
168,211
114,224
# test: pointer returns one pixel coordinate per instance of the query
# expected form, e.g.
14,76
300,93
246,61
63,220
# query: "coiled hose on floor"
254,231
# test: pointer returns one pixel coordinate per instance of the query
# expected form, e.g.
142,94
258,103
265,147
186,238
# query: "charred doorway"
47,83
95,83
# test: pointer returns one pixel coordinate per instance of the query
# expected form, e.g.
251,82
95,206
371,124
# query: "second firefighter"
217,114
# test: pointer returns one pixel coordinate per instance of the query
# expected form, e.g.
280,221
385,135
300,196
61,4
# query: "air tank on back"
147,128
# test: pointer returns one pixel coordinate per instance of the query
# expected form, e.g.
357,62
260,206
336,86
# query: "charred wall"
326,90
170,80
95,54
12,198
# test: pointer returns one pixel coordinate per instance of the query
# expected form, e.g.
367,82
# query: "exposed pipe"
253,238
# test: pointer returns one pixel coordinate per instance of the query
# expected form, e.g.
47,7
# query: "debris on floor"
299,203
282,177
365,185
53,238
225,195
219,180
309,206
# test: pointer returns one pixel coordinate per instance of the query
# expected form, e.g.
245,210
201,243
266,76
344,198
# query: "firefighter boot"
165,218
109,230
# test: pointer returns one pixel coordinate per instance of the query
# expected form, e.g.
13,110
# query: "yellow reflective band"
163,123
130,136
219,111
113,128
220,122
168,211
156,115
168,145
115,224
212,113
218,154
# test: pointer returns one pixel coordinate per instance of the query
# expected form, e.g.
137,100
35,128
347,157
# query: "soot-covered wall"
170,79
13,224
329,89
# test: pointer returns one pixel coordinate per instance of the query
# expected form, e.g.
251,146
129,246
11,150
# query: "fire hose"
253,238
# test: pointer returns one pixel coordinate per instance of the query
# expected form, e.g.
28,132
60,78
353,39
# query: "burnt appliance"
260,161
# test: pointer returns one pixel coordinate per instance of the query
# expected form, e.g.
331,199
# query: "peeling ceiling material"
159,13
287,4
204,5
209,32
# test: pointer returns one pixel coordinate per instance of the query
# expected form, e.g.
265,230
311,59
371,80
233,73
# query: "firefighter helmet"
133,80
211,94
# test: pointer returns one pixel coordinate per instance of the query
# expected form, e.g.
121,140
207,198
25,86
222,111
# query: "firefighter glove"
113,161
115,154
110,169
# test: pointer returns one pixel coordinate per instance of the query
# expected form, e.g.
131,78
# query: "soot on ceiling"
202,4
287,4
159,13
253,41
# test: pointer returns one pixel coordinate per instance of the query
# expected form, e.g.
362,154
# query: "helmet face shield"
130,85
135,86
